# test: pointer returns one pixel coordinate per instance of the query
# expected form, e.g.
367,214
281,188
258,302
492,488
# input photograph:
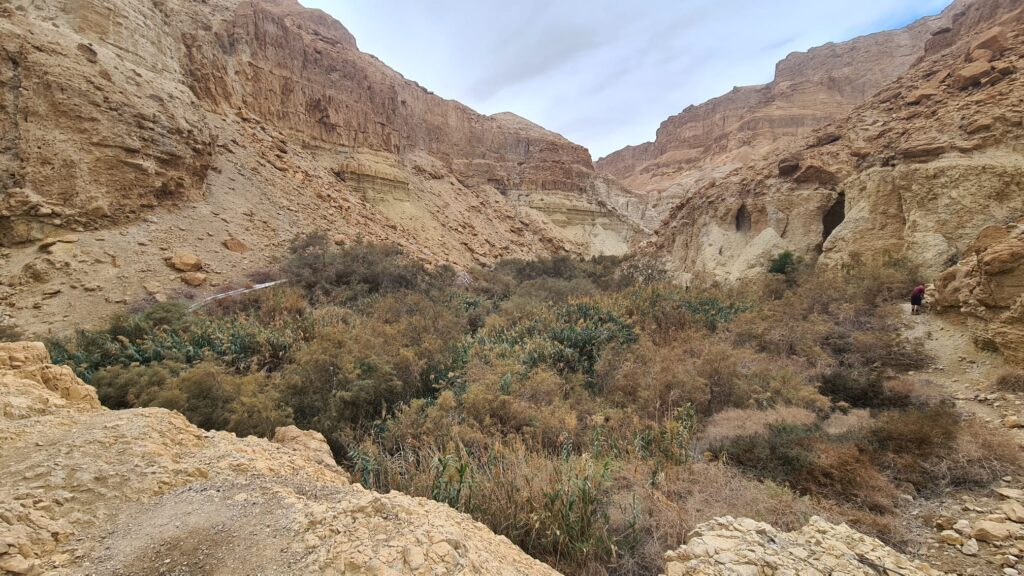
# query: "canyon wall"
141,128
704,143
915,172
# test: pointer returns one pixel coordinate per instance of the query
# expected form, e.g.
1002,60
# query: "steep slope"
151,127
917,171
705,142
85,490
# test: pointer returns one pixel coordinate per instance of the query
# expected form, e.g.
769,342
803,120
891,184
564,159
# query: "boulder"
993,41
193,278
185,262
972,74
990,531
980,56
1014,511
951,538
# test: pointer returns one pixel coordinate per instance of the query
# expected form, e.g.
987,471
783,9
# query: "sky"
603,73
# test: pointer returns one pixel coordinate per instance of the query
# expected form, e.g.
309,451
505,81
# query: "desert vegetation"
589,410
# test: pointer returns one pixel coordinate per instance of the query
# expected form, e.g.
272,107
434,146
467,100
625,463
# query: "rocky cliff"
987,284
703,143
144,128
85,490
916,171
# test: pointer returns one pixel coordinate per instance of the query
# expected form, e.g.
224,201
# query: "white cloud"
604,73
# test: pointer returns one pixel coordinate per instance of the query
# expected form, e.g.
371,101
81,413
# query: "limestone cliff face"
148,128
916,171
703,143
987,284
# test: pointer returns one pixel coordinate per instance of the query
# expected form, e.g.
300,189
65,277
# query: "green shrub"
209,395
809,461
785,263
353,272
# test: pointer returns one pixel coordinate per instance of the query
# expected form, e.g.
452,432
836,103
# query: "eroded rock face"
917,177
183,122
85,489
703,143
727,546
988,284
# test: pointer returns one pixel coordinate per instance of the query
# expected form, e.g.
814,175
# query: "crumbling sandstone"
728,546
920,168
988,284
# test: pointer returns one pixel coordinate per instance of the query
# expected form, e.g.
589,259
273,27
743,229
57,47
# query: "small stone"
952,538
970,548
193,278
1011,493
235,245
963,527
1014,510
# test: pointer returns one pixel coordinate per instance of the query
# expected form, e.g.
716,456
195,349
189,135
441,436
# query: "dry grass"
851,422
1011,381
734,422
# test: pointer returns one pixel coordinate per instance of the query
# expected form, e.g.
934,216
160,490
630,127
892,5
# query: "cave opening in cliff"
833,217
743,219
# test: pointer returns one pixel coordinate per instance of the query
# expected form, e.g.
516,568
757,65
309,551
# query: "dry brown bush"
734,422
1011,381
851,422
652,380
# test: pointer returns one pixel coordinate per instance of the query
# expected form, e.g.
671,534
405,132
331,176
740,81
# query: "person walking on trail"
917,299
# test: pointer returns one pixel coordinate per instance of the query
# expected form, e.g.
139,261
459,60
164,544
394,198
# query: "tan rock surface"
727,546
987,284
88,490
913,178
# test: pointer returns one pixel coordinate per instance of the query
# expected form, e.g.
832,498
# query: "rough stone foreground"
86,490
743,547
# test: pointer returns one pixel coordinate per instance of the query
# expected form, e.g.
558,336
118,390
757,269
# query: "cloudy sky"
604,73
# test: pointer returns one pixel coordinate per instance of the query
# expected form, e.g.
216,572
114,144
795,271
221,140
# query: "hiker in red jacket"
917,299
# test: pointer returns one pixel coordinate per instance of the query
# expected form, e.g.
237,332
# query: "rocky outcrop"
150,128
899,176
704,143
988,284
727,546
88,490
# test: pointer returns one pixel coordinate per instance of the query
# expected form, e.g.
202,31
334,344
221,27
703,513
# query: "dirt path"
962,372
